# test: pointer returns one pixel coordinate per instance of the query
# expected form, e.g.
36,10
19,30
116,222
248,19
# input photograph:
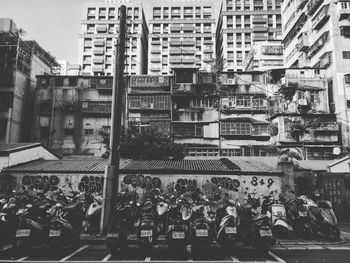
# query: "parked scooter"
66,223
147,229
93,214
127,210
276,211
226,223
8,221
255,228
34,224
322,218
203,224
297,213
178,223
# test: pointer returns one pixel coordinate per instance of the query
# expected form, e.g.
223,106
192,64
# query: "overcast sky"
54,24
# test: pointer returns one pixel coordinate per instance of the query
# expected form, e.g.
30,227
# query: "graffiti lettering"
226,183
44,183
141,181
91,184
270,182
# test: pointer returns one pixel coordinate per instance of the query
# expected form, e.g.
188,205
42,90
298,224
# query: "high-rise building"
241,23
182,35
67,69
99,31
20,62
316,34
264,55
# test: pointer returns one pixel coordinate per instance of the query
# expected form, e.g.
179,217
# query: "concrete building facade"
316,34
20,62
301,120
264,55
99,31
243,22
182,35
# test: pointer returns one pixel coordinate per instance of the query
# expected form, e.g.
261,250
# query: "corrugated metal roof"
249,164
69,165
180,165
197,166
13,147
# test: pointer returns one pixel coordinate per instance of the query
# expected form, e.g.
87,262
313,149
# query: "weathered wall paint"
236,186
66,182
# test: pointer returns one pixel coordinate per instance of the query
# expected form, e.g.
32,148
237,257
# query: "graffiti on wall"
235,186
91,184
44,183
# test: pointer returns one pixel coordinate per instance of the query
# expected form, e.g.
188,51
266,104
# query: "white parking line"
234,259
6,247
276,257
189,253
105,259
22,259
147,259
338,248
74,253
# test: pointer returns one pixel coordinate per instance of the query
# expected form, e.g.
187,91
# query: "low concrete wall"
236,186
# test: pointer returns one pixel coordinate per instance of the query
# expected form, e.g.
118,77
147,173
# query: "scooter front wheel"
332,233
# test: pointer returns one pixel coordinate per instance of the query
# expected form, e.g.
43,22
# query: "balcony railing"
313,6
96,107
321,17
303,42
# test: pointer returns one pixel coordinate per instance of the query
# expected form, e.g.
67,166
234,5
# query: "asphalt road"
160,253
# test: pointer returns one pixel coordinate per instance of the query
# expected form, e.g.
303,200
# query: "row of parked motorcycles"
191,218
30,218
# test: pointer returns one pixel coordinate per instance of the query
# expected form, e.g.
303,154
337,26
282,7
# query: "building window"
346,54
69,131
88,131
314,96
348,104
235,128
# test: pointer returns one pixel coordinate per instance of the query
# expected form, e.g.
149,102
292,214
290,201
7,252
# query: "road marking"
276,257
105,259
234,259
147,259
74,253
22,259
189,253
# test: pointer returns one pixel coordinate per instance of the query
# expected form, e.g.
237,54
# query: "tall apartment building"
316,33
241,23
182,35
99,31
301,120
264,55
20,62
71,112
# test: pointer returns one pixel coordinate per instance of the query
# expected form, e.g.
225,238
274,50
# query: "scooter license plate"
55,233
303,214
178,235
113,235
230,230
131,237
265,233
201,232
146,233
23,233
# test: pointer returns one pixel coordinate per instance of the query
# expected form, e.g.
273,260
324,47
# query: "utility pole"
110,189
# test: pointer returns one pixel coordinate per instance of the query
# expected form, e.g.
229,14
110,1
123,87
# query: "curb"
301,242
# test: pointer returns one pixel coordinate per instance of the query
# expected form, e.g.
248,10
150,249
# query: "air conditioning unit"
231,81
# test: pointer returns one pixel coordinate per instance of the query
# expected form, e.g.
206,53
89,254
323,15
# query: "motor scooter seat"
72,206
147,222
